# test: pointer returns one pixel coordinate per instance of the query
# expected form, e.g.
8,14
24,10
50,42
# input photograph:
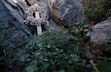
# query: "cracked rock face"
11,17
66,12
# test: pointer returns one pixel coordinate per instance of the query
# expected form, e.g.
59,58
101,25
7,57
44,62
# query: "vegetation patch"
53,51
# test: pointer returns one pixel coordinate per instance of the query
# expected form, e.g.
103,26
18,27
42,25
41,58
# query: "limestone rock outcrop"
101,32
11,17
66,12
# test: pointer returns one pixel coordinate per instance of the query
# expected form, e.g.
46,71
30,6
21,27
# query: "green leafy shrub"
3,45
53,51
4,38
7,56
96,10
104,66
104,63
78,32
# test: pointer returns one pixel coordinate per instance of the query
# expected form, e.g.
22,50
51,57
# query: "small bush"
7,56
52,51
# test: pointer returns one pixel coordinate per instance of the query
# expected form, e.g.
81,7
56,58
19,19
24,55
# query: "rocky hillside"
87,25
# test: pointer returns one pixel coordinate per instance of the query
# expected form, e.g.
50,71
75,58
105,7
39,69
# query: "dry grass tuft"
96,10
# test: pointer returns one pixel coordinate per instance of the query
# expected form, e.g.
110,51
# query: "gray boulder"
66,12
101,32
11,17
